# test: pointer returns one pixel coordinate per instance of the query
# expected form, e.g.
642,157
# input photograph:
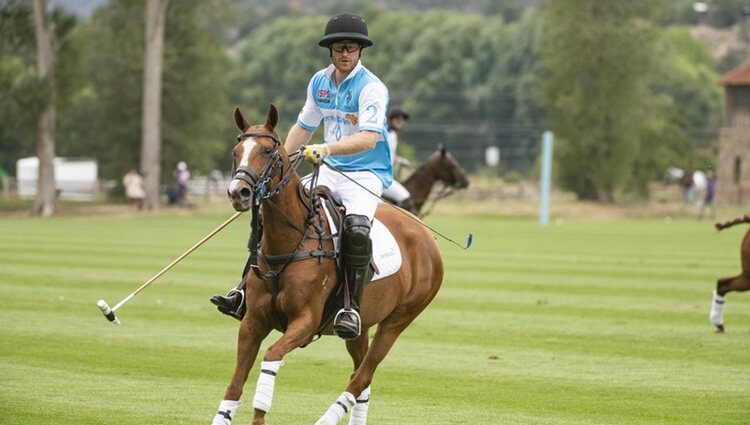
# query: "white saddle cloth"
385,251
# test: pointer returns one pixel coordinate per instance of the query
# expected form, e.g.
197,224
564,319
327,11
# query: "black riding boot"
356,251
234,303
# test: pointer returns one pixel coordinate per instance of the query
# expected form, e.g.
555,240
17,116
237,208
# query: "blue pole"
546,179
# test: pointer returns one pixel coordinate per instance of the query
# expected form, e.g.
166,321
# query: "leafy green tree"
597,57
105,115
275,65
682,109
23,95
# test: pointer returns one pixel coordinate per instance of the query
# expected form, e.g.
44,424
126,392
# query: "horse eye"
267,151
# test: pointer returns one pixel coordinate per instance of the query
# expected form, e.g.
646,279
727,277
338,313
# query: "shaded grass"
602,322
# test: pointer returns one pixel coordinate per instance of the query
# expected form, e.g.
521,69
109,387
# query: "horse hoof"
719,329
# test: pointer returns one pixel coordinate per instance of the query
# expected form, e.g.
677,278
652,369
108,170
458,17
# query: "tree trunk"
156,13
46,196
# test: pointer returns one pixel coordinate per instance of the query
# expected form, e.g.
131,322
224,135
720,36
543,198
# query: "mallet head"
108,312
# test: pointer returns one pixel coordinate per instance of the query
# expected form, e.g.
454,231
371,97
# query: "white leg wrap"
338,410
226,412
359,411
717,310
266,381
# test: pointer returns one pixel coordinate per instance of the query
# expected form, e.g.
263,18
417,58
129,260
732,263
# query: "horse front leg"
299,332
251,333
357,349
724,286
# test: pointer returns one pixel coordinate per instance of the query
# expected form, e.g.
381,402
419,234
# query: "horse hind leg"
724,286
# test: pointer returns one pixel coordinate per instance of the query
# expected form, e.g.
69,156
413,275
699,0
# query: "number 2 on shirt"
374,117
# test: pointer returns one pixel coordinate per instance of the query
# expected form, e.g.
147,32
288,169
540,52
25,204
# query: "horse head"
446,169
258,161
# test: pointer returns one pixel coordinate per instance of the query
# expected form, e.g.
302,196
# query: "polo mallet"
109,313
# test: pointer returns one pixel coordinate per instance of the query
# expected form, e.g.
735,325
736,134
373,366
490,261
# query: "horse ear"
273,117
441,148
239,119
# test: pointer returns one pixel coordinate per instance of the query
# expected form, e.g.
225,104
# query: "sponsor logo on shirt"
324,96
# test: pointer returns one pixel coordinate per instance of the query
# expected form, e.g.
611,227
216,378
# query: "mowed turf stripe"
581,323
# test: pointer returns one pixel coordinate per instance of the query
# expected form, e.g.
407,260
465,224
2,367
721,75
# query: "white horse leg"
717,311
266,382
227,410
338,410
359,411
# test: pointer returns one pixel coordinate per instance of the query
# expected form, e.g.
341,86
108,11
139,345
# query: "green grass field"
599,322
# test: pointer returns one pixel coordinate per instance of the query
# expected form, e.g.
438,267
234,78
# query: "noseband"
260,183
454,171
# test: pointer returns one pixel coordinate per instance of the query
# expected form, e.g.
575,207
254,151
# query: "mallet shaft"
177,260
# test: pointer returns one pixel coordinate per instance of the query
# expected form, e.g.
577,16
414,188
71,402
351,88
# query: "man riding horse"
352,103
397,193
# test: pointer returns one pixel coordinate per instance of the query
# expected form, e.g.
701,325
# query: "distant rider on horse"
352,103
397,193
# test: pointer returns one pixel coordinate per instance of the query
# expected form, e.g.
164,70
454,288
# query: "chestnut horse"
290,297
741,282
440,166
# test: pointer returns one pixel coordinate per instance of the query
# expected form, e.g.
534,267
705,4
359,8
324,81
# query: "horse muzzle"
240,194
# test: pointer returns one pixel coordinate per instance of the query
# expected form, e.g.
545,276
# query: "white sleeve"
373,101
310,116
392,143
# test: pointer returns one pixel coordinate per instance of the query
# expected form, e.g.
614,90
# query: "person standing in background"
134,188
182,177
709,200
397,192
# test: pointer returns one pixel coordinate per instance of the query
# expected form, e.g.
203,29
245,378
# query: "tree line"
615,80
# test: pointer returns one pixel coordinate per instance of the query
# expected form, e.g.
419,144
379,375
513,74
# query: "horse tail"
739,220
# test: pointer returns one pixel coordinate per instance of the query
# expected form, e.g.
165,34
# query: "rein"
263,193
432,200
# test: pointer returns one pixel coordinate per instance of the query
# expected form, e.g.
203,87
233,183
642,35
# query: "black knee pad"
356,245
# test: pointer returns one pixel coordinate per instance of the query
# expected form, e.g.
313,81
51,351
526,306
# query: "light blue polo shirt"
359,103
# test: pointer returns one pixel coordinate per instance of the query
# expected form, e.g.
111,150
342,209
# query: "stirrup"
225,306
342,330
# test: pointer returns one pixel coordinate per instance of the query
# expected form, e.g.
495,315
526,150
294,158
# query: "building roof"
739,76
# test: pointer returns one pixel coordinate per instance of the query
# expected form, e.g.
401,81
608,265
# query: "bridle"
426,177
259,183
446,190
454,171
261,191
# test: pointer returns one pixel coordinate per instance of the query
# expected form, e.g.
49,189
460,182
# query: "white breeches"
397,192
356,199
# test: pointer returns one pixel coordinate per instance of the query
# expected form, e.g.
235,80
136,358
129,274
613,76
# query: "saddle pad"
385,251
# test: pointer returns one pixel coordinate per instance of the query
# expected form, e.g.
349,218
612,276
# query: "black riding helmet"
397,112
346,26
